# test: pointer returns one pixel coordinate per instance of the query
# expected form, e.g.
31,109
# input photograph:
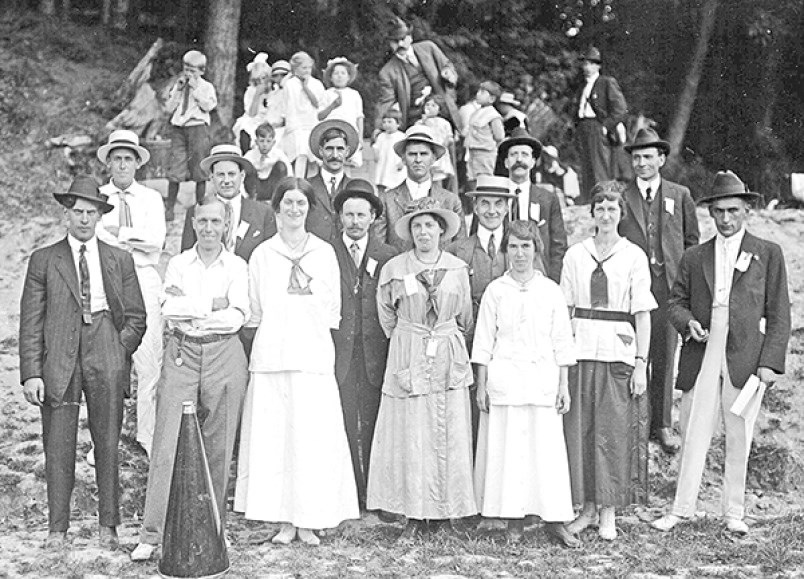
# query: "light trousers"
147,360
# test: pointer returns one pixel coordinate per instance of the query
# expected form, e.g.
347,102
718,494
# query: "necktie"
185,98
83,269
648,195
228,237
515,205
332,187
492,247
354,249
599,285
125,211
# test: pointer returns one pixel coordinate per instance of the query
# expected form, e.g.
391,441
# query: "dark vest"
416,79
653,221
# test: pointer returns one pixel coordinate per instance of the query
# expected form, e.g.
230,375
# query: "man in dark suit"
361,348
730,303
533,203
660,218
601,110
333,142
415,70
81,318
251,222
418,151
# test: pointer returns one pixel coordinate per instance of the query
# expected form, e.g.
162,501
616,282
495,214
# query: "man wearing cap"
81,319
333,142
660,218
361,347
601,108
512,117
205,303
730,304
136,224
418,151
249,222
415,70
532,202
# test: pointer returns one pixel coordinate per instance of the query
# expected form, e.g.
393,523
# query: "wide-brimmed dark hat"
727,184
358,189
352,140
85,187
225,152
419,134
520,136
427,206
491,186
646,138
592,55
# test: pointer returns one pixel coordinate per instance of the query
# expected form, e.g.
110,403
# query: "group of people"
382,351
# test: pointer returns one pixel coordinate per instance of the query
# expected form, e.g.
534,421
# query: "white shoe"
666,523
608,527
143,552
736,526
286,534
91,456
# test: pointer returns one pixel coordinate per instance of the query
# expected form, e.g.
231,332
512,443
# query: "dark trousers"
102,369
263,189
595,155
360,402
663,341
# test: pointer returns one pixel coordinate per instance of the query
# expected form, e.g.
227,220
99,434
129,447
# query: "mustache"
519,165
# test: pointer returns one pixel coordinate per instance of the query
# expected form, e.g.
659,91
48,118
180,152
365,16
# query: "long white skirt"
294,464
521,466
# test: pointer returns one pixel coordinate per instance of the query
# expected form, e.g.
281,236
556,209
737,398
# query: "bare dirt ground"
52,80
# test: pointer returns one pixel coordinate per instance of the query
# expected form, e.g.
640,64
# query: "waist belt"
208,339
606,315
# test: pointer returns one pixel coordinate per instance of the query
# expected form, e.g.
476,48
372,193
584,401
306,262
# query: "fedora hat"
592,55
123,139
727,184
225,152
645,138
419,134
358,189
321,128
427,206
491,186
507,98
520,136
85,187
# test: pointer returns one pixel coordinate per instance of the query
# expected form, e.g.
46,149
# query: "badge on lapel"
669,205
242,229
743,261
371,266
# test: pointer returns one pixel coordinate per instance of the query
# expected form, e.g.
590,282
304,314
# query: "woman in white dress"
522,348
294,465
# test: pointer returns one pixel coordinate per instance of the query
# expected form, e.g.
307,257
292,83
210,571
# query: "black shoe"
667,440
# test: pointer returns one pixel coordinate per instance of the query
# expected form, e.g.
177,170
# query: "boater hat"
419,134
318,131
123,139
727,184
520,136
592,55
507,98
85,187
491,186
646,138
427,206
358,189
225,152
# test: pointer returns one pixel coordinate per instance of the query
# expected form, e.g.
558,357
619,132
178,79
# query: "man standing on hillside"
730,303
416,70
660,218
136,224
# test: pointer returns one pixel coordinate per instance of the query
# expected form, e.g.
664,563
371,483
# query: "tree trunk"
223,27
120,13
47,7
106,12
686,102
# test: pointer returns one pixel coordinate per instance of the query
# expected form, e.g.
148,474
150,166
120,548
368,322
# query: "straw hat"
123,139
352,139
419,134
491,186
225,152
427,206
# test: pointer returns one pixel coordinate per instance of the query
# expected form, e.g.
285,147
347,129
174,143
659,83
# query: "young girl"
343,102
253,102
302,95
442,131
390,170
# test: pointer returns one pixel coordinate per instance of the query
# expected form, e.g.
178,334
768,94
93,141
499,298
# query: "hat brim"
532,142
102,205
207,163
503,194
452,219
438,148
663,146
746,195
352,138
347,194
104,150
351,69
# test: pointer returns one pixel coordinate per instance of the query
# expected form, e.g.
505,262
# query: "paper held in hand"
753,390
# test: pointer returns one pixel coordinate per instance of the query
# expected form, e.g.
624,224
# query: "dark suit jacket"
395,86
373,339
322,219
261,226
394,202
679,228
607,101
759,292
50,313
551,229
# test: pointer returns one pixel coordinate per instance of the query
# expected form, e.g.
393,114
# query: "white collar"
523,187
130,189
654,185
328,177
593,78
415,189
197,257
362,243
731,241
75,244
484,234
236,201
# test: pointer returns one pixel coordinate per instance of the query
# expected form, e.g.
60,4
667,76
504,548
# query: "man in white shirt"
205,302
731,306
136,224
